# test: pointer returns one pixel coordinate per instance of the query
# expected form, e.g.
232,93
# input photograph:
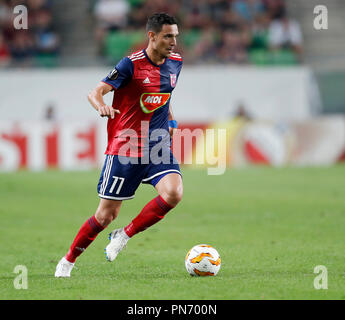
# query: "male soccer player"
140,123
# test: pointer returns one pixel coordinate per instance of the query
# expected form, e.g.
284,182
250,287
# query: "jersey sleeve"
179,69
121,74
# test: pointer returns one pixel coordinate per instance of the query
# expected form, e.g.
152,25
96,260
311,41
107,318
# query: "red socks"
153,212
87,233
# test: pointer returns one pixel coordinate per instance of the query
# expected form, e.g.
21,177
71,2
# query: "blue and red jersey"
142,93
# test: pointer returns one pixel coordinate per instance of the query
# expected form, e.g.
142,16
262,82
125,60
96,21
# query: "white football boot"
118,240
64,268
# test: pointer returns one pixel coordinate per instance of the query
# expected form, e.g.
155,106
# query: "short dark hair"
157,20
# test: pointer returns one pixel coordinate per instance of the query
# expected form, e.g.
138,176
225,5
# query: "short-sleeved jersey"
142,93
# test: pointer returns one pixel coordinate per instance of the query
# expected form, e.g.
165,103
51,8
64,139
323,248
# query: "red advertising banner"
232,143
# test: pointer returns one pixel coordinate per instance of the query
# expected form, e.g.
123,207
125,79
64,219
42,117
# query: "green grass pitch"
270,226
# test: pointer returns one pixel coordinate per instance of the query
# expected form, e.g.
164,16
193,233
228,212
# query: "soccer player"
140,123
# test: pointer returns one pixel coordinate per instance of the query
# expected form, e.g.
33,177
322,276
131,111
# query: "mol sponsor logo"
150,102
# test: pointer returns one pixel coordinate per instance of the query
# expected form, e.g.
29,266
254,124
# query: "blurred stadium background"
256,67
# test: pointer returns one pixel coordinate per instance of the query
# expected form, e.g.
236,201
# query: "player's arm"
172,121
95,97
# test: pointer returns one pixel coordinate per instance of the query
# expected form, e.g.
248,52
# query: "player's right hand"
107,111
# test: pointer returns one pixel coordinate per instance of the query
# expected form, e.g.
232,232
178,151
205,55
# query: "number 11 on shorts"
116,179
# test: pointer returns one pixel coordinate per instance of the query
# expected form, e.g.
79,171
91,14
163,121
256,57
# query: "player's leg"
108,209
166,178
124,177
106,212
170,191
170,188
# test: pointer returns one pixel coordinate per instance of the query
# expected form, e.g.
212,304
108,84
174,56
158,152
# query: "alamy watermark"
20,20
321,18
203,147
321,280
21,281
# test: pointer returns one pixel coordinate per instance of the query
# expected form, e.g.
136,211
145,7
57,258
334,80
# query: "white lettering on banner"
72,146
36,146
9,156
67,146
77,146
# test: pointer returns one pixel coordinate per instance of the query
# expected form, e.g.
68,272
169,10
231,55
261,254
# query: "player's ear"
151,35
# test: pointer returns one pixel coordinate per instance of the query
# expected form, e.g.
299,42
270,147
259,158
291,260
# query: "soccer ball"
202,260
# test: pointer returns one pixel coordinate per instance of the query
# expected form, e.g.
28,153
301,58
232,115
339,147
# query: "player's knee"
105,216
173,196
103,219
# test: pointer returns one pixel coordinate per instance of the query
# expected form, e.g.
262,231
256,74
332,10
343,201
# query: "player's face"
165,41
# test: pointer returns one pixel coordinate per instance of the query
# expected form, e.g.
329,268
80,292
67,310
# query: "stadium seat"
259,41
118,43
283,57
259,57
46,60
265,57
135,3
190,37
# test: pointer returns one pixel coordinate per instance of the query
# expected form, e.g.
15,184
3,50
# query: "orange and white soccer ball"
202,260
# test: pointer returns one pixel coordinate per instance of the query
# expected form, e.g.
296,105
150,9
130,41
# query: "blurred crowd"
38,44
227,31
211,31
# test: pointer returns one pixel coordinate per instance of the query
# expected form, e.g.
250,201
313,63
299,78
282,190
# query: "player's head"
162,31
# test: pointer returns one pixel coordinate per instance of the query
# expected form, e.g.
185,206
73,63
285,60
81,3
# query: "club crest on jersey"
173,80
150,102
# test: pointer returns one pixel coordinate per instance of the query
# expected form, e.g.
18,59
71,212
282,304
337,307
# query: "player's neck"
154,56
